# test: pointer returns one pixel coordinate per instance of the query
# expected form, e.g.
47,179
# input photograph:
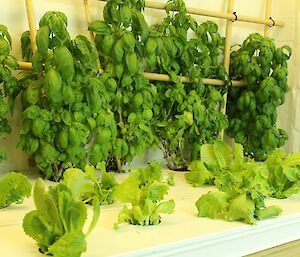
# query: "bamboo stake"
228,37
92,36
223,15
268,15
31,23
230,8
88,17
25,65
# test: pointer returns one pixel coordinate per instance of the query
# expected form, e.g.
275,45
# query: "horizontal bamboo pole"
160,77
207,81
25,65
223,15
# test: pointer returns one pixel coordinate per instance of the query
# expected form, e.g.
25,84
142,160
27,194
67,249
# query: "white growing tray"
179,234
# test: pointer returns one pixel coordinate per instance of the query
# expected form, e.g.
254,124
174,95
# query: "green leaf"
66,116
138,216
96,215
199,174
5,33
238,154
74,179
223,153
154,191
100,27
213,205
64,62
124,216
46,205
57,26
292,159
73,213
292,174
127,191
208,154
70,244
14,187
108,180
167,207
268,212
294,189
45,115
38,228
31,112
241,208
42,40
171,178
90,172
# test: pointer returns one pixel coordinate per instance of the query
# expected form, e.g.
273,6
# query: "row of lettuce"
58,224
73,113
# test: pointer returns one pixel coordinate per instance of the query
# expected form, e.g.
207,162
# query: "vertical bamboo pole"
268,15
31,23
227,50
88,19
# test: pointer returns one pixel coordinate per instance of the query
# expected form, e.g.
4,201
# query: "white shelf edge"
236,242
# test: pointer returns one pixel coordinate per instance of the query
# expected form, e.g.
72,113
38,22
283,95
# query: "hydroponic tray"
179,234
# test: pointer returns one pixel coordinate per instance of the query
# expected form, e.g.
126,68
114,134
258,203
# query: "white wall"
13,14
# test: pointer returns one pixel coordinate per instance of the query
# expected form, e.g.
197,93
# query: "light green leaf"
292,174
223,153
268,212
167,207
127,191
241,209
124,216
90,173
207,154
138,217
154,191
292,160
101,166
74,179
294,189
73,213
14,187
38,228
46,204
96,215
71,244
213,205
199,174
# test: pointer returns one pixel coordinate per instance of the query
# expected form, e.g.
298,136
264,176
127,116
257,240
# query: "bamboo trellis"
230,16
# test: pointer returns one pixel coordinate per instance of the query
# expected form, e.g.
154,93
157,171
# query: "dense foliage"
60,99
252,110
57,223
120,41
189,114
9,84
73,114
243,183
